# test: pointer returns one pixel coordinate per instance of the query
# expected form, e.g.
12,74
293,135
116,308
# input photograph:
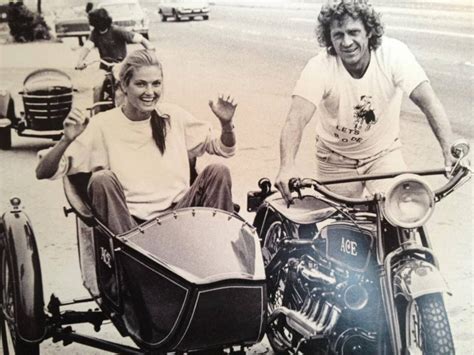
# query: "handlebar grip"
294,184
452,183
265,185
460,148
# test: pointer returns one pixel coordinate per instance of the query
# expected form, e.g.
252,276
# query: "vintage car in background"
179,9
125,13
47,96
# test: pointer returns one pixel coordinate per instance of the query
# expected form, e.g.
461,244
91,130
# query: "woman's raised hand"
224,109
74,124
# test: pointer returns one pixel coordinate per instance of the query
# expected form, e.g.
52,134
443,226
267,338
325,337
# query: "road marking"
301,19
433,32
401,28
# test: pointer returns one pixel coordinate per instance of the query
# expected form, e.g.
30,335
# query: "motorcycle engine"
332,300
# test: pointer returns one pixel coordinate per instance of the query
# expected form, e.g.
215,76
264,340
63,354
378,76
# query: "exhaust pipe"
307,327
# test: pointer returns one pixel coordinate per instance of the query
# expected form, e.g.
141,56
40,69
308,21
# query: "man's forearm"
290,140
425,98
441,126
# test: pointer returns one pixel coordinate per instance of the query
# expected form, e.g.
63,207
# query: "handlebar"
456,174
108,64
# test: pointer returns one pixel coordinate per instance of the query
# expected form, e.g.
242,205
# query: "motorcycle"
355,276
104,97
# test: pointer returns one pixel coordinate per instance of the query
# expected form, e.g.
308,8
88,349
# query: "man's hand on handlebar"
281,183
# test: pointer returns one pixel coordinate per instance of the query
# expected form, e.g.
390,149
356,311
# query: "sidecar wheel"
11,341
427,326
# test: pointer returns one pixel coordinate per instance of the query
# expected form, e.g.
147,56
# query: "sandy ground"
451,224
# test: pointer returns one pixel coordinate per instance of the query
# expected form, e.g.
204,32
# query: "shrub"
25,25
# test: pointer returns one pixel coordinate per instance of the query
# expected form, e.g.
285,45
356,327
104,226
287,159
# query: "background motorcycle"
355,276
104,96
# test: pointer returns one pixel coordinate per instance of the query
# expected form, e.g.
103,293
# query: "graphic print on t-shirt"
364,113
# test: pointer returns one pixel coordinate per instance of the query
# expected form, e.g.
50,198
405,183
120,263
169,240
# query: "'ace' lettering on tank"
349,247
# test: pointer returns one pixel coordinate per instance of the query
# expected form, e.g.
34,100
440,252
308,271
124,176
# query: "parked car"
125,13
179,9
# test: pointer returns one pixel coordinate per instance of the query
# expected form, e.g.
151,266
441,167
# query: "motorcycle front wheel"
281,337
271,234
427,329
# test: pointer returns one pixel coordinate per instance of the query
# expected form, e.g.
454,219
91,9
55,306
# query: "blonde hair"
139,59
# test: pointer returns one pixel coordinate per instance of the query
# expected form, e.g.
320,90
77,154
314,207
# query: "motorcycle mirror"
460,148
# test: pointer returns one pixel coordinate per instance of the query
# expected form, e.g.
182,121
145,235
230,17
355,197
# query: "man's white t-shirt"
359,118
152,182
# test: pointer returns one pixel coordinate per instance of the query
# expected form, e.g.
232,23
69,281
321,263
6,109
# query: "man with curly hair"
356,86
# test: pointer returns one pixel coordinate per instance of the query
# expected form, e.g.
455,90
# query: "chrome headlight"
409,201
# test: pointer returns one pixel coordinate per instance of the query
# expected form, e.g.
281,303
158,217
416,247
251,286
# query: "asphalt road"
256,55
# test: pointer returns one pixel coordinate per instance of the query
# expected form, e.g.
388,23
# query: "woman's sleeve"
202,138
86,154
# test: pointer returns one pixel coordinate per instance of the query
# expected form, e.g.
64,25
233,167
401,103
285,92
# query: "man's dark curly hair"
357,9
100,19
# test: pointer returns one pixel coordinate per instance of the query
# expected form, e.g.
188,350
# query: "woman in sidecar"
171,275
139,153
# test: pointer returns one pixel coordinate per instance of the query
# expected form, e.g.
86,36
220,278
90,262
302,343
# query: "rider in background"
110,40
356,86
139,153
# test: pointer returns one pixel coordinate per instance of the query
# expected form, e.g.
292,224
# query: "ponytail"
159,129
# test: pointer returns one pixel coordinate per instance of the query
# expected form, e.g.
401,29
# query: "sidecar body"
191,279
47,99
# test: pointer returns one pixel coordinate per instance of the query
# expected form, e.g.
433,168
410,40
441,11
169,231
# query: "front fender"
20,244
416,278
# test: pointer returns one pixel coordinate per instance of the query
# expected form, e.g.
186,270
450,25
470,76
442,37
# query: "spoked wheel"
11,340
427,328
272,234
279,335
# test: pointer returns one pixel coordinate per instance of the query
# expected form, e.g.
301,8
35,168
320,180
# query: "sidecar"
192,279
47,99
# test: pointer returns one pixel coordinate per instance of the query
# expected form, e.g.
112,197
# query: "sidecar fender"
416,278
19,242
